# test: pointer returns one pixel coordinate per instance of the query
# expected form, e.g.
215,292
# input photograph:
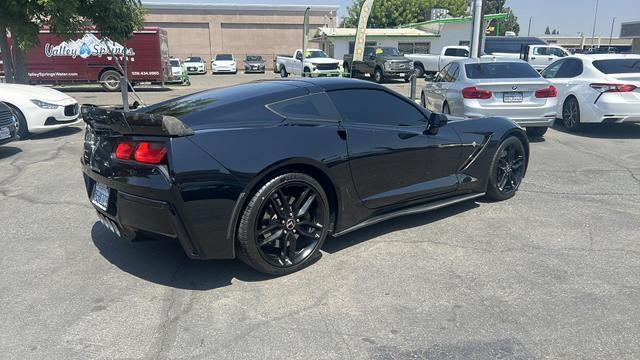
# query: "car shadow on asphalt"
67,131
605,131
8,151
164,262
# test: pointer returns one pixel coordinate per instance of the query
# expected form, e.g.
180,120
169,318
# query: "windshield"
254,58
224,57
175,63
500,70
316,54
388,51
618,66
194,59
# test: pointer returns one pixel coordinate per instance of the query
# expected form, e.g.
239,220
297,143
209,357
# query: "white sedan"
39,109
602,88
224,63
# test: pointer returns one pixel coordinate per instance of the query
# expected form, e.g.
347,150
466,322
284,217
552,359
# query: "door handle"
533,58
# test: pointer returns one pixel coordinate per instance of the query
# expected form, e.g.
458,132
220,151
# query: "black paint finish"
367,170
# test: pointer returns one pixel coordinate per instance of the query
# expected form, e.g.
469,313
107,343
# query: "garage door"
187,39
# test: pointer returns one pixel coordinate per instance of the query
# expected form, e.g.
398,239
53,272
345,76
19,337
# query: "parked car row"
224,63
577,89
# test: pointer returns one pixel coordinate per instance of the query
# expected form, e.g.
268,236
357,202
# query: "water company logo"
88,46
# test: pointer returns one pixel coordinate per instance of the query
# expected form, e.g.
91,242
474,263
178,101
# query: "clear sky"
568,16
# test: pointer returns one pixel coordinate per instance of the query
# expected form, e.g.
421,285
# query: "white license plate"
100,196
5,133
401,75
512,97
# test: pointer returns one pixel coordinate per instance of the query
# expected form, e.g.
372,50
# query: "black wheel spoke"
300,200
271,238
269,229
285,203
277,208
307,204
316,226
292,247
517,163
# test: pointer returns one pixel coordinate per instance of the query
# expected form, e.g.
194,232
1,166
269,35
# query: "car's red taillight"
124,150
549,92
613,87
143,152
473,93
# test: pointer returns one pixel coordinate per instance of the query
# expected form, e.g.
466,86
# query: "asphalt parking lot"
552,273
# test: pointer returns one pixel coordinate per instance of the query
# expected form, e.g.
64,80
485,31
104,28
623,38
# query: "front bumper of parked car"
42,120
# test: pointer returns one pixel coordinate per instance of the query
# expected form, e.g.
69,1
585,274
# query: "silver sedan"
475,88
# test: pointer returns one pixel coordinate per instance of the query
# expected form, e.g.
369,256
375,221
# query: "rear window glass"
311,107
224,57
500,70
175,63
456,52
618,66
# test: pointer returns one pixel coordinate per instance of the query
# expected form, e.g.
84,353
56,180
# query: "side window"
551,71
376,107
557,52
539,50
368,51
299,55
440,76
570,68
308,107
456,52
452,73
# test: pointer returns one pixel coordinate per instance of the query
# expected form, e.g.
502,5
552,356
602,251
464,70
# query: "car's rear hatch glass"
501,70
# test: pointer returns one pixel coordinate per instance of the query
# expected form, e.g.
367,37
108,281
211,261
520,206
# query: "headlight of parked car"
44,104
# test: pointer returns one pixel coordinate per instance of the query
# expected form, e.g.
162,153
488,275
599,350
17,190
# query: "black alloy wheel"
283,72
284,225
507,170
571,114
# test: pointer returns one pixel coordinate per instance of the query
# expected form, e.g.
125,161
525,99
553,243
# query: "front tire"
378,76
284,225
23,127
537,132
419,71
507,170
571,115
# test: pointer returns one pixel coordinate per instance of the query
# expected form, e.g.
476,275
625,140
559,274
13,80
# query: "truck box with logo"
89,58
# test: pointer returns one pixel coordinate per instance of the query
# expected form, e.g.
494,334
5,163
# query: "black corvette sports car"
266,171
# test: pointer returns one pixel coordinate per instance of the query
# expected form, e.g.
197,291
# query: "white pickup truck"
316,63
431,64
538,56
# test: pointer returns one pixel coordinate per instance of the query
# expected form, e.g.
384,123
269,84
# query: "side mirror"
429,77
436,121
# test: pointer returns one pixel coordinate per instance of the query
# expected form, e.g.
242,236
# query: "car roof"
329,83
489,59
593,57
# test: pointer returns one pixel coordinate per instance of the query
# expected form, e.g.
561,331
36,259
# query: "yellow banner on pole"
361,32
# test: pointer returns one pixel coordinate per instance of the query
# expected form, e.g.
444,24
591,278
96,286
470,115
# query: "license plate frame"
5,133
512,97
100,196
402,75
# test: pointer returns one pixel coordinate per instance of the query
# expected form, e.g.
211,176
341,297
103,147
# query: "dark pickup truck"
381,63
8,130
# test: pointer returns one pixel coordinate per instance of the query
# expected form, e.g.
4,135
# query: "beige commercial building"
205,29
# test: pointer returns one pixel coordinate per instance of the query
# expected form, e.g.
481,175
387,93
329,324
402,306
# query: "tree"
393,13
509,23
554,32
115,19
547,31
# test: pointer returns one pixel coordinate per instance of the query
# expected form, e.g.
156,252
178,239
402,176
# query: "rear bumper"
611,108
540,116
160,211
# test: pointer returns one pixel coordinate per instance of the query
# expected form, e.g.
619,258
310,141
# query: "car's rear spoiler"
134,123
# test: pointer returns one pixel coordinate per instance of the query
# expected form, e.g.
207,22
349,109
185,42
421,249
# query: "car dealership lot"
552,273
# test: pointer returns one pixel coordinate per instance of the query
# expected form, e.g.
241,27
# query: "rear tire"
284,225
537,131
283,72
507,170
110,80
571,115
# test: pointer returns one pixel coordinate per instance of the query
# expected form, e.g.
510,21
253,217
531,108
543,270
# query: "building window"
464,43
352,45
415,48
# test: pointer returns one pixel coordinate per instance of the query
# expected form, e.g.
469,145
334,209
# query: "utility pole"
595,18
611,34
529,30
476,29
